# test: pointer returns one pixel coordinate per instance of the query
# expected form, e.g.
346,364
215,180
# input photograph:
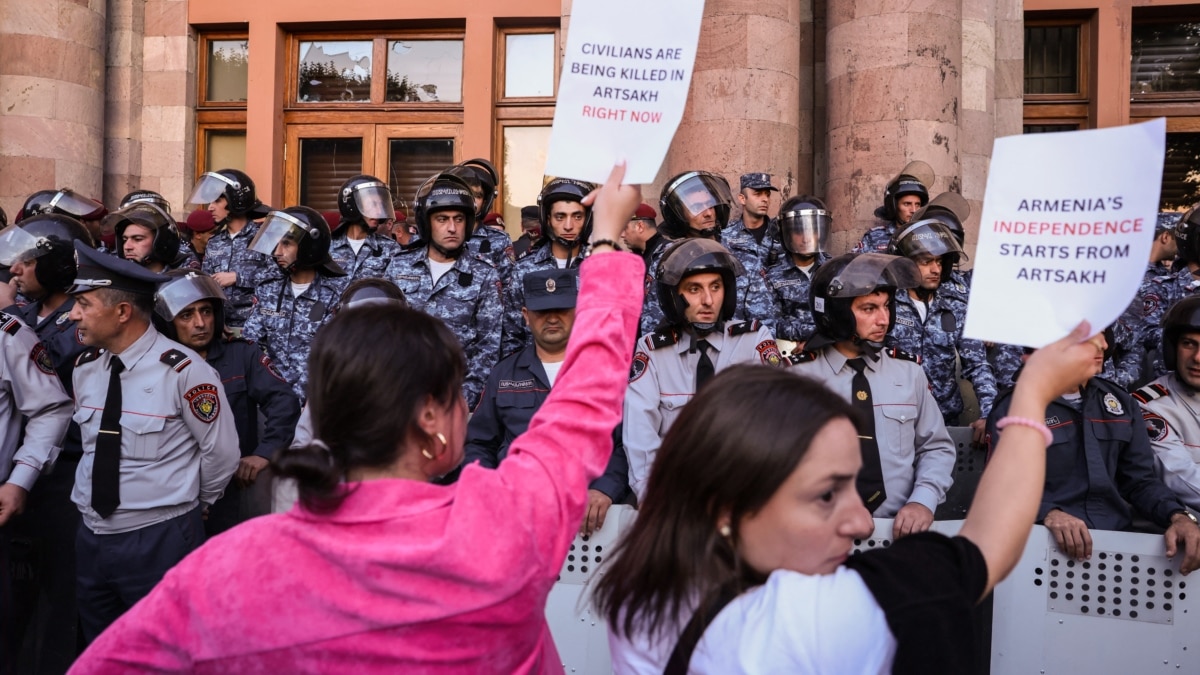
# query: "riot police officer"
288,311
495,245
904,194
148,235
1163,291
701,337
443,278
364,205
803,223
230,196
67,202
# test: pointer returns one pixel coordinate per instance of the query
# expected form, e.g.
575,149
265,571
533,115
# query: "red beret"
493,219
645,212
200,220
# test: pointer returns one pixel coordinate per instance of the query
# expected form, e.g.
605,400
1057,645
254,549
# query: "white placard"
1067,224
625,80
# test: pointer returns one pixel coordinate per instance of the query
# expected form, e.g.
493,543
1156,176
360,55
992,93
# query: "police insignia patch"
1155,426
62,318
266,361
204,402
551,286
640,361
768,351
1112,405
41,359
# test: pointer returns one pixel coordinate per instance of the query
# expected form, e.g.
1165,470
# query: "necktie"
106,470
870,477
704,369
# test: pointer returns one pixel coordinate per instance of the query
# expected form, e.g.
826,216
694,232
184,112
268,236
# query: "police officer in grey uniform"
565,225
699,339
908,456
159,442
902,197
288,311
804,224
444,279
364,204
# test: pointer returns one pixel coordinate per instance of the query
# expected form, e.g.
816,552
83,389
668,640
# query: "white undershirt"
562,263
807,269
356,244
439,269
298,289
922,309
552,370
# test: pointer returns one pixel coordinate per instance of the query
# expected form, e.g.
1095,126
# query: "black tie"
704,369
870,478
106,471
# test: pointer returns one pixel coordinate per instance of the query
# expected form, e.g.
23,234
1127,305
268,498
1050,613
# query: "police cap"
551,289
100,270
757,181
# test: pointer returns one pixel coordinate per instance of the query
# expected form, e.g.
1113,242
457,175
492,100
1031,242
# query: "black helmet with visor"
50,239
237,189
445,192
308,229
840,280
804,224
361,198
479,172
929,237
66,202
564,190
695,256
690,195
165,243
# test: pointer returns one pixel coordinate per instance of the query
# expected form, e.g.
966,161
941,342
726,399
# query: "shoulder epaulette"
1150,392
796,358
897,353
744,327
662,338
176,359
88,355
9,323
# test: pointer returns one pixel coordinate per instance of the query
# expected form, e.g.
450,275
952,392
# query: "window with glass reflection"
225,149
1165,58
228,70
524,167
1181,172
334,71
424,71
529,60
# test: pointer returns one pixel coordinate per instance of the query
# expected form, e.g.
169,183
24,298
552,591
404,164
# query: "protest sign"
1067,224
625,79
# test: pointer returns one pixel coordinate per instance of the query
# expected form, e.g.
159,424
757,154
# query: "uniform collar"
133,353
837,360
527,359
688,340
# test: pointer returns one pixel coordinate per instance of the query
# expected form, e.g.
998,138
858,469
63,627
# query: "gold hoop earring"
428,455
441,437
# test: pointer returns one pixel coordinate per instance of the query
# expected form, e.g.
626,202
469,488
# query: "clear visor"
146,214
17,245
869,271
697,193
174,296
688,255
950,203
374,201
927,237
805,231
210,187
73,204
277,227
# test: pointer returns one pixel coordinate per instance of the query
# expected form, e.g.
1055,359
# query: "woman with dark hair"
738,560
378,569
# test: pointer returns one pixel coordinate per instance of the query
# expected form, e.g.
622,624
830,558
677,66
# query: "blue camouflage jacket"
232,254
284,325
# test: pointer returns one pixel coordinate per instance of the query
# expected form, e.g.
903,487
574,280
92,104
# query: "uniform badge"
41,359
62,318
861,395
550,286
266,361
1053,421
204,402
1112,405
1156,426
768,351
640,361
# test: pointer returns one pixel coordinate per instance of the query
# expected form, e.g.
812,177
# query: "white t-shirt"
439,269
922,309
356,244
794,623
298,289
552,370
562,263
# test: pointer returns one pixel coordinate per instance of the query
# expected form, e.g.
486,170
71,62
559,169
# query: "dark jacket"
252,385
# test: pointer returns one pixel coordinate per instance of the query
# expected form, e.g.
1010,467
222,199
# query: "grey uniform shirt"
914,447
179,444
1172,415
663,380
29,389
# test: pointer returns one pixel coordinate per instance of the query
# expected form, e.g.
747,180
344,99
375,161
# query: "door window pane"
425,71
1052,59
225,150
524,163
228,66
529,65
1048,128
411,161
1165,58
1181,172
326,163
335,71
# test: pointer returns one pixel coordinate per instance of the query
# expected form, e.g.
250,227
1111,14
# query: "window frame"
1069,108
204,39
501,61
1159,103
214,115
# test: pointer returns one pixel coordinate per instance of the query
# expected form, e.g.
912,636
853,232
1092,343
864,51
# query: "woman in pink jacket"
378,569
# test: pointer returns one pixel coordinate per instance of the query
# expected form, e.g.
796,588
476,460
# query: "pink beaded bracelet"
1026,422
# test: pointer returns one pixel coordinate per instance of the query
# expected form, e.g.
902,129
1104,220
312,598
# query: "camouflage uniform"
1158,295
939,341
187,259
790,285
467,299
371,260
284,325
877,239
515,332
1124,367
495,246
232,254
754,302
770,250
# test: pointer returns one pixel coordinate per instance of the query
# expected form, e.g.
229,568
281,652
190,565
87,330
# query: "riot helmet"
444,192
237,189
951,210
838,282
804,224
50,239
478,172
371,291
928,237
1187,235
694,256
363,197
914,179
184,288
308,229
66,202
564,190
146,197
164,247
1182,317
691,195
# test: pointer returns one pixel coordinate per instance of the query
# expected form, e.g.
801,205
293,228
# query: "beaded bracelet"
603,242
1026,422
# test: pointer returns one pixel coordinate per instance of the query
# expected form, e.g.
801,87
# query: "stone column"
893,79
123,118
743,111
52,84
168,90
